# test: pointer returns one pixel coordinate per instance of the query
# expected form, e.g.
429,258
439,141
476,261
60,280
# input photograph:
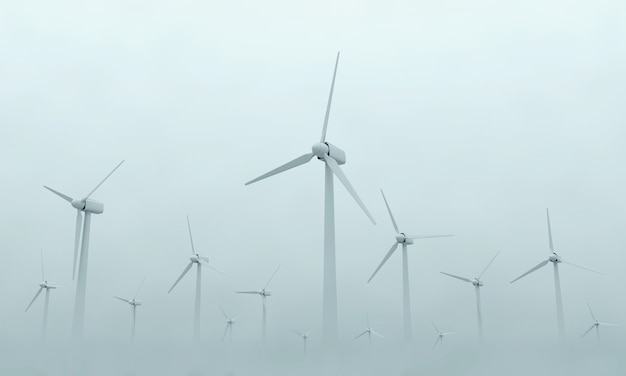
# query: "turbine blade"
344,180
247,292
549,231
43,275
377,334
307,333
181,276
540,265
122,299
32,301
457,277
365,332
103,180
435,326
487,267
448,333
436,342
140,286
193,249
272,277
298,333
588,330
582,267
330,100
393,221
393,248
79,224
287,166
224,313
607,324
590,311
414,237
65,197
206,263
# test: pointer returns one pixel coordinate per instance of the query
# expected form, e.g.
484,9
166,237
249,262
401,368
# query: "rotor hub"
78,204
554,258
320,150
195,258
401,238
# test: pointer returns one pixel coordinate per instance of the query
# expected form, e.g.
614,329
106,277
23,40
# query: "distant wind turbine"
440,335
263,293
229,326
305,337
478,283
402,238
555,260
133,306
332,157
369,331
195,258
88,206
596,324
44,285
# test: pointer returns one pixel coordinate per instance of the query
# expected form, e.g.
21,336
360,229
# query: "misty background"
473,118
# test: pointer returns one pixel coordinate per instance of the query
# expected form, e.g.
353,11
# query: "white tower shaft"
44,324
559,303
81,284
264,329
329,309
406,294
479,313
196,318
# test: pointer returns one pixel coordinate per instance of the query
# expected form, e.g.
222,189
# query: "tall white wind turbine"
596,324
369,331
229,326
404,240
263,293
555,260
440,335
43,285
88,206
478,283
332,157
195,258
305,338
133,307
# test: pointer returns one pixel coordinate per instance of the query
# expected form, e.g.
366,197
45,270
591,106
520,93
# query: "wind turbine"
402,238
133,306
333,157
596,324
229,326
369,331
264,293
195,258
305,337
478,283
555,260
44,285
88,206
440,335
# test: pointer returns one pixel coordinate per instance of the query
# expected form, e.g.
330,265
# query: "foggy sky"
473,118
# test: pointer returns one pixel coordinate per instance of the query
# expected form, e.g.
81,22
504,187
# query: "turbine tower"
478,283
88,206
369,331
440,335
332,157
596,324
133,306
305,337
229,326
195,258
44,285
263,293
555,259
404,240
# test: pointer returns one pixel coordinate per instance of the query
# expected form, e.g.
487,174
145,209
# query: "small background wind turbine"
133,306
555,259
333,157
596,324
195,258
229,326
88,206
404,240
369,331
263,293
43,285
478,283
440,335
304,336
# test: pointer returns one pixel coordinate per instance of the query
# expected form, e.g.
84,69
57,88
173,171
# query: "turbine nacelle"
195,258
477,282
324,149
90,206
135,302
265,292
402,239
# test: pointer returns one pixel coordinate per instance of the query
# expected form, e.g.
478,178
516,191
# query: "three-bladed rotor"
596,324
477,281
264,292
43,285
440,335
